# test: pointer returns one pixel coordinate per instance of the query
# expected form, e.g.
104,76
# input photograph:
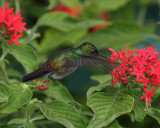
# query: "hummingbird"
65,62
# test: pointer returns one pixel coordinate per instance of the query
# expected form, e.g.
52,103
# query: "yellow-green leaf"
19,96
63,113
4,92
107,107
25,55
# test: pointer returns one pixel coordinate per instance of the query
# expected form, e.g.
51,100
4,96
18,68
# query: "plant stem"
17,5
3,3
4,55
27,114
44,122
159,3
5,75
142,14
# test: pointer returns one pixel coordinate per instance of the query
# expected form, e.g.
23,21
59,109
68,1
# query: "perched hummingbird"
67,61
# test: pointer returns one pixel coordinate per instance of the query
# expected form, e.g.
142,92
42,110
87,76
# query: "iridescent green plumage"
67,61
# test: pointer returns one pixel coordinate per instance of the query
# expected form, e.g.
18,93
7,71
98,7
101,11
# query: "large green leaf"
4,92
109,5
16,121
101,78
107,107
25,55
70,3
59,92
52,38
118,35
128,12
20,95
155,113
65,22
104,80
81,108
63,113
139,105
114,124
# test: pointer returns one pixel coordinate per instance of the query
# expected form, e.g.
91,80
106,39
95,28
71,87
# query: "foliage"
68,23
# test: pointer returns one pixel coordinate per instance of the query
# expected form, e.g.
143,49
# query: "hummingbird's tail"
33,75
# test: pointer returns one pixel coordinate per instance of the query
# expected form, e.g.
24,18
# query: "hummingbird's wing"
87,60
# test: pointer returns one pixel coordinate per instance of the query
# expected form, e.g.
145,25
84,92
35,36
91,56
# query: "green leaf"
99,87
109,5
14,73
118,35
101,78
65,22
127,11
30,105
20,95
63,113
38,116
139,105
70,3
52,4
25,55
107,107
7,126
57,91
0,75
145,2
29,125
30,37
104,80
155,113
81,108
114,124
4,92
16,121
53,38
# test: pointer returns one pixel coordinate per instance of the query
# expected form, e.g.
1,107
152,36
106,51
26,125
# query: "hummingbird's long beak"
102,55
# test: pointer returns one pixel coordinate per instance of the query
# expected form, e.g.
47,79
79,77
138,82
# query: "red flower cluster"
41,84
11,25
72,11
76,12
105,17
142,66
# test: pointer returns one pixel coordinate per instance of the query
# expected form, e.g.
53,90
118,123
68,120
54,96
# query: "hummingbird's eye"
94,52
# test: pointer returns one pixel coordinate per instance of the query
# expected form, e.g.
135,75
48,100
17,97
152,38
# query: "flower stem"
142,14
17,5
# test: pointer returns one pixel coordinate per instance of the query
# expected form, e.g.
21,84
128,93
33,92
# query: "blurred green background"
105,23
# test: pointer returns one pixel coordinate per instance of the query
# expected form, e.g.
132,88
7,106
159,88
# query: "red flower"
148,95
142,66
105,17
40,84
11,25
75,11
97,27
